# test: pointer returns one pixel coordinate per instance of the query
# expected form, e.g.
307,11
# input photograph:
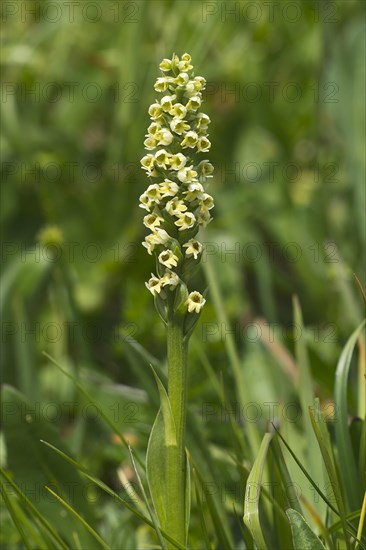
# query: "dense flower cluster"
176,201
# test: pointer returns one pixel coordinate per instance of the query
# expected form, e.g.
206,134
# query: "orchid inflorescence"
177,204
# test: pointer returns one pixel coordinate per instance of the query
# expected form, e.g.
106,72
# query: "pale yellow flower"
195,302
185,221
168,188
175,207
193,248
190,140
154,284
151,221
168,258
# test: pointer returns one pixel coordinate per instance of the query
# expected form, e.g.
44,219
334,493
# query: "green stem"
177,392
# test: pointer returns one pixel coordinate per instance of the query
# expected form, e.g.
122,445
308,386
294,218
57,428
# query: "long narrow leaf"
151,512
113,494
251,503
344,445
14,517
51,531
322,435
106,419
79,518
351,528
222,532
302,536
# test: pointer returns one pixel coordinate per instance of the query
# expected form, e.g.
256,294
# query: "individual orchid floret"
162,84
179,126
203,144
164,137
178,161
187,174
170,279
168,258
194,103
153,192
162,158
205,169
206,202
150,143
166,65
178,110
185,221
145,202
167,102
168,188
154,284
155,110
176,207
158,237
181,79
151,221
190,140
193,248
195,302
195,191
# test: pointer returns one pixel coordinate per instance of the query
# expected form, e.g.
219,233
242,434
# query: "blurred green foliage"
286,98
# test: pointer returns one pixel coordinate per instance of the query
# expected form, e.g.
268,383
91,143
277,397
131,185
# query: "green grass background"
286,88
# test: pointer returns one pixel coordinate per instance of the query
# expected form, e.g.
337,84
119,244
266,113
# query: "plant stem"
177,392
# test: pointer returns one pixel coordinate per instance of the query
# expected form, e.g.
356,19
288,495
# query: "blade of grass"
361,522
232,353
247,537
206,538
14,517
306,396
151,513
362,457
285,475
361,405
308,477
106,419
111,493
240,444
51,531
251,504
219,523
344,445
338,524
322,435
351,528
79,518
34,531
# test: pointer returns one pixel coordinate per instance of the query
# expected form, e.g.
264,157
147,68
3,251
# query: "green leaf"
109,422
306,396
285,475
322,435
14,514
204,531
88,527
47,527
111,493
217,516
343,439
24,427
252,494
302,536
161,442
151,512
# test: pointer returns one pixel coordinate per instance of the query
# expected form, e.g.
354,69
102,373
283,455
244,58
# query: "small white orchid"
195,302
